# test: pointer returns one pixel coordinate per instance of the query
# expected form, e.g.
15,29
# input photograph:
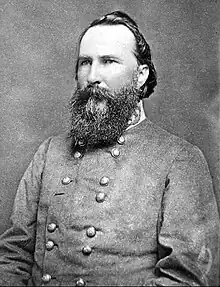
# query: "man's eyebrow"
109,56
84,57
103,57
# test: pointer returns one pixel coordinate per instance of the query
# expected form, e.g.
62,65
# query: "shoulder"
163,142
61,141
54,145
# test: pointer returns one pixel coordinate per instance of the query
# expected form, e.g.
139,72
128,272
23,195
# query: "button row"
103,181
47,277
90,232
114,152
100,197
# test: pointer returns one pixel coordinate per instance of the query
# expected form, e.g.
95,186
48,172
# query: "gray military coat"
141,212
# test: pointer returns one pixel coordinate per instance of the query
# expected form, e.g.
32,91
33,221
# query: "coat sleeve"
188,225
18,242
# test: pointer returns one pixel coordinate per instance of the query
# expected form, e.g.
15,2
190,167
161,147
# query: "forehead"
114,39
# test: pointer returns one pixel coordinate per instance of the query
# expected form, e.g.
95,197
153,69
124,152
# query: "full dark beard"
99,117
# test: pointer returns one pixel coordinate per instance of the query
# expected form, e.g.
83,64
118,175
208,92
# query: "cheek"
119,78
81,79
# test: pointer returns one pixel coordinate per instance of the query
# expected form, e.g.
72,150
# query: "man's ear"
143,73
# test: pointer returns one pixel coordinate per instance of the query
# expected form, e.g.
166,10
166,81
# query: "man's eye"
84,62
108,61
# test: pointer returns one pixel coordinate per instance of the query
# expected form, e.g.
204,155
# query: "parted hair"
142,51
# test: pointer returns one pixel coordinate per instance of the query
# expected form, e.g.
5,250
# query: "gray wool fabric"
155,224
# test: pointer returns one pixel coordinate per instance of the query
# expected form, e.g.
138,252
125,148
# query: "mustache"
93,91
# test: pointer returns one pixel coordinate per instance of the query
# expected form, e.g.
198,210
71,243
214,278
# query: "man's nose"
94,74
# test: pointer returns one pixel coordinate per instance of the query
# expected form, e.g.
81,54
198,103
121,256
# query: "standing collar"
139,113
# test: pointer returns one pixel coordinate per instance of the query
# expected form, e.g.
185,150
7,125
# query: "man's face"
106,57
107,91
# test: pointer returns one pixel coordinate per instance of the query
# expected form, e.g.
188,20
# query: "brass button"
87,250
51,227
66,180
77,155
104,180
49,245
90,232
115,152
46,278
100,197
80,282
121,140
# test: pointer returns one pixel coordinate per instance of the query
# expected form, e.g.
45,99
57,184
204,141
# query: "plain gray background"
38,49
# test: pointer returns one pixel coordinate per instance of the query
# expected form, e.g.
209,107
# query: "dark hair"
142,52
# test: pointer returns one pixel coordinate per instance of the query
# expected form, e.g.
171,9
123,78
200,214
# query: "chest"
121,194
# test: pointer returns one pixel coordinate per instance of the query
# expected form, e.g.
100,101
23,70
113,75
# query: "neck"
141,116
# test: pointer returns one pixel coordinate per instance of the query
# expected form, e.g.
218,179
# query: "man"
117,201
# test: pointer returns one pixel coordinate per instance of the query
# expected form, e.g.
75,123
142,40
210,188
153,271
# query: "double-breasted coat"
141,212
